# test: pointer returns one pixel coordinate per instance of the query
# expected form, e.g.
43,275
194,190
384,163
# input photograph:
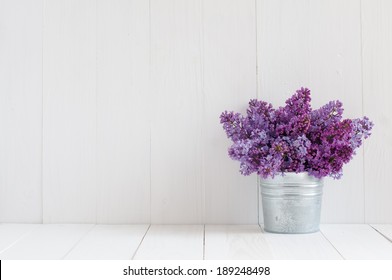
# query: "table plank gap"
235,242
80,239
358,241
10,234
141,241
46,242
310,246
204,242
332,245
384,230
165,242
108,242
251,242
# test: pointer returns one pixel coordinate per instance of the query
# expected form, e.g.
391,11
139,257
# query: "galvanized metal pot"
291,203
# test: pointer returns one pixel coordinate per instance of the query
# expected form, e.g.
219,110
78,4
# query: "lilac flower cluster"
294,138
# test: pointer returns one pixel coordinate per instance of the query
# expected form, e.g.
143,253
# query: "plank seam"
150,91
140,243
77,242
257,96
42,109
19,239
204,242
203,119
363,111
383,235
261,228
257,56
97,187
332,244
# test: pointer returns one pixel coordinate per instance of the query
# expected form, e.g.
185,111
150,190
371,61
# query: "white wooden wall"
109,109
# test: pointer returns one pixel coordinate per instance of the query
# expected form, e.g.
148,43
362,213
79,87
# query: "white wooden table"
84,241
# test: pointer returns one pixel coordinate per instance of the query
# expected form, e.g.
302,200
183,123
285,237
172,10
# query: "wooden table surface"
87,241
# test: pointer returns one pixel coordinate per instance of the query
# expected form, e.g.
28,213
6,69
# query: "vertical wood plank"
69,112
377,84
229,71
316,44
176,144
123,112
20,111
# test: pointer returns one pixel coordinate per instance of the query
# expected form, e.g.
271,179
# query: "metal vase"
291,203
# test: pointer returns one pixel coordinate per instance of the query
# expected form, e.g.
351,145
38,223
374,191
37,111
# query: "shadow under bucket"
291,203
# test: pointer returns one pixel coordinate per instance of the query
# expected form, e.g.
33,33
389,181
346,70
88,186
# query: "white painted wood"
250,242
377,83
316,44
229,82
358,241
235,242
177,103
70,241
312,246
69,112
109,242
11,233
20,111
123,112
98,97
171,242
385,230
46,242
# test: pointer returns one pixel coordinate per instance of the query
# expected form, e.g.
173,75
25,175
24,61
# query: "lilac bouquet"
294,138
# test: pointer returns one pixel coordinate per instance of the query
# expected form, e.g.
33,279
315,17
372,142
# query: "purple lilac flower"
294,138
233,124
360,129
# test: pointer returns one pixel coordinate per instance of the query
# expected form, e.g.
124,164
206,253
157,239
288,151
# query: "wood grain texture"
109,110
172,242
316,44
235,242
69,112
229,81
357,242
12,233
176,143
20,111
377,83
123,112
46,242
108,242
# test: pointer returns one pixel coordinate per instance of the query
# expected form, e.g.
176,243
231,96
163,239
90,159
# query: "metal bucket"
291,203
